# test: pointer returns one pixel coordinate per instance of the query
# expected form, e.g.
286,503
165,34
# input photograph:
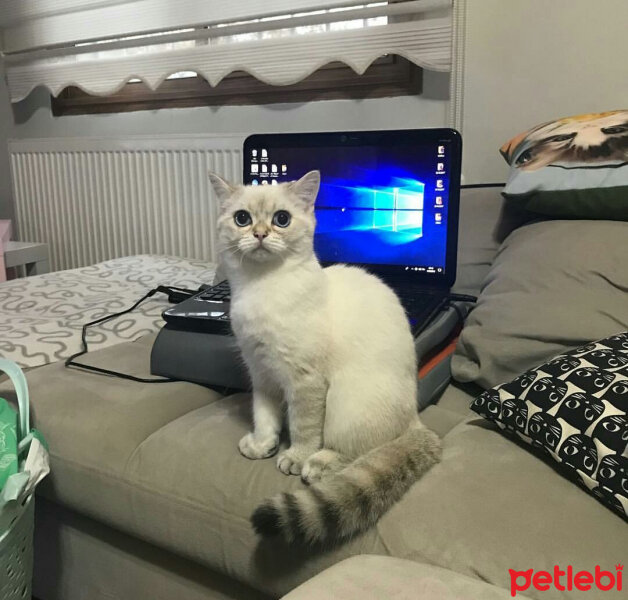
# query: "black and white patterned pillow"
574,409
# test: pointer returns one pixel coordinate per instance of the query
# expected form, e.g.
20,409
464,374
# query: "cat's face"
560,366
514,414
606,359
578,451
546,392
585,348
265,224
573,140
580,408
488,404
617,394
545,430
613,432
613,473
590,379
519,385
618,342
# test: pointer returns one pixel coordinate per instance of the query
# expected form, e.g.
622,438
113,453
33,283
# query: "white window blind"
99,45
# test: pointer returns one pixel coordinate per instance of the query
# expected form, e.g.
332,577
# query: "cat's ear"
223,189
306,188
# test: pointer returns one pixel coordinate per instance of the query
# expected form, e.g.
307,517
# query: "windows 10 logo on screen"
399,208
376,223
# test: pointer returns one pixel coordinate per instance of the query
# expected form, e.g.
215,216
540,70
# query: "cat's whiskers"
232,246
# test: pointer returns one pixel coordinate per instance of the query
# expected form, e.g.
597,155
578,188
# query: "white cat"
333,346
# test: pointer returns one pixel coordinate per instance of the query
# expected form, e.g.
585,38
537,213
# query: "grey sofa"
149,497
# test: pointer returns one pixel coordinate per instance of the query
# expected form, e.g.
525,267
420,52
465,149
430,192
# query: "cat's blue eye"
242,218
282,218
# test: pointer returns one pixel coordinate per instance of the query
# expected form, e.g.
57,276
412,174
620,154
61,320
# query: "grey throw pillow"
553,286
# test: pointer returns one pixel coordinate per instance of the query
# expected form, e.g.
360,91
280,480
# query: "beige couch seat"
385,578
160,462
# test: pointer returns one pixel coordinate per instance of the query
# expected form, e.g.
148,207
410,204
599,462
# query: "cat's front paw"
290,461
254,447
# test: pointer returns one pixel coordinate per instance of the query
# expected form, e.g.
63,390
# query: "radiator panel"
92,199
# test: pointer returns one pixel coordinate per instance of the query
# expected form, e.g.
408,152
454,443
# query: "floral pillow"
574,409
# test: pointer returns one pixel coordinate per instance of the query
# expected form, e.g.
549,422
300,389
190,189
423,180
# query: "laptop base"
214,360
200,357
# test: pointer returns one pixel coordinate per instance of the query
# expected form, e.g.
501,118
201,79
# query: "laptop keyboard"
421,307
415,302
217,293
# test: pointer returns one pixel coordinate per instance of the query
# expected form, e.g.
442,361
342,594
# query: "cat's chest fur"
279,323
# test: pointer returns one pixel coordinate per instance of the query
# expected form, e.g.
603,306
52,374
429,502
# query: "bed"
41,317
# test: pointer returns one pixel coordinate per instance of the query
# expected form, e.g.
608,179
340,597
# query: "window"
387,76
99,46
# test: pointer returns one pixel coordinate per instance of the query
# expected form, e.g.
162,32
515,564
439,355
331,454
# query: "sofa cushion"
161,463
379,577
480,218
574,409
450,409
491,505
554,285
94,423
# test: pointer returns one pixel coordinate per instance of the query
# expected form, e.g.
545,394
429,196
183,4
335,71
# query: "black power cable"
175,294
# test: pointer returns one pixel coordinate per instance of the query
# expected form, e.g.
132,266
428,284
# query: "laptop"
388,201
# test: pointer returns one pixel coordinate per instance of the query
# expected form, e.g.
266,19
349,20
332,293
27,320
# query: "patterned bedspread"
41,317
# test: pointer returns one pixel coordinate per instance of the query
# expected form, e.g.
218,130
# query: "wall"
534,61
6,124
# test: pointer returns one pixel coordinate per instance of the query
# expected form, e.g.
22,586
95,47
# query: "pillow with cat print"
574,409
576,167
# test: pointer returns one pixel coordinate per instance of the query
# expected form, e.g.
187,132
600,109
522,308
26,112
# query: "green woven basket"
16,537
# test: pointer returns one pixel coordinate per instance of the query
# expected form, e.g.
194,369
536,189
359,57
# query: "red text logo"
604,581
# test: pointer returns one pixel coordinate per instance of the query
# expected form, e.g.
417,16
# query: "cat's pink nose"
260,235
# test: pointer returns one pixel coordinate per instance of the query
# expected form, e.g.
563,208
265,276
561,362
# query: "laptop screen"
386,198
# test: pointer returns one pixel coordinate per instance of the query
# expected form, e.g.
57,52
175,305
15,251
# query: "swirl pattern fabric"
41,317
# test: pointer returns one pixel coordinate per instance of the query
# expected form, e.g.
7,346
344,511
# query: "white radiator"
95,199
